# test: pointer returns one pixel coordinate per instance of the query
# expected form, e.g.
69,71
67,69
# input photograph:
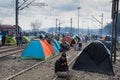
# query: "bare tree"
35,26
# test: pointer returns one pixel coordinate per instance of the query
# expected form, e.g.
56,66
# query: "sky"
63,10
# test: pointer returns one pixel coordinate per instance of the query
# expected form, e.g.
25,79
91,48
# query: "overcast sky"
63,10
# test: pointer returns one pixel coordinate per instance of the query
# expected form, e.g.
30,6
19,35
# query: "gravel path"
44,71
12,64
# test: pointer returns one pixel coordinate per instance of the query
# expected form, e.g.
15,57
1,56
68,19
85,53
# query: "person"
61,67
78,47
3,39
18,39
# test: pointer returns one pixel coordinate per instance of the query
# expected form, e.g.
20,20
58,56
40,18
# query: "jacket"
61,66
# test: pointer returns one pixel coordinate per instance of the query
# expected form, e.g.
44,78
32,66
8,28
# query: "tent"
57,43
0,40
25,39
95,58
67,39
55,48
0,37
10,40
36,49
50,46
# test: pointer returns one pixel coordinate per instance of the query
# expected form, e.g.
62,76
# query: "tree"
35,26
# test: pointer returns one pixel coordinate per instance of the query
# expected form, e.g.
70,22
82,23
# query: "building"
8,29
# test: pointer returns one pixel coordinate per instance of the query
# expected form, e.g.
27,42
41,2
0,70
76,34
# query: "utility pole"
88,30
21,7
78,19
16,16
115,6
82,30
56,25
71,27
59,28
100,22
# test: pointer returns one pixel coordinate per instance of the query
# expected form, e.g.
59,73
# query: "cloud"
61,9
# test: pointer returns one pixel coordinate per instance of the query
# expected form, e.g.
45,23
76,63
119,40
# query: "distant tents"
95,58
40,49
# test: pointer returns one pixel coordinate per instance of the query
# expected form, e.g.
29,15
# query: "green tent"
10,40
26,39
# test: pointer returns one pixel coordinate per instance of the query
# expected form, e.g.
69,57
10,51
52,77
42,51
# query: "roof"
6,27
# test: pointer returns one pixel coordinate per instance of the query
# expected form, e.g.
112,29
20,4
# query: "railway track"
42,64
10,50
4,47
69,63
12,67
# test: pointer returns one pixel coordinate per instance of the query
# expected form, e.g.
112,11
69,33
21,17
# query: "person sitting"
61,67
78,47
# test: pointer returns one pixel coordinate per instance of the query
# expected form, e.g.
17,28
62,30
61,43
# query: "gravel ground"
12,64
44,71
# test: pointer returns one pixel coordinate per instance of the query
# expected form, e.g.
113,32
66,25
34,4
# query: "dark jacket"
61,65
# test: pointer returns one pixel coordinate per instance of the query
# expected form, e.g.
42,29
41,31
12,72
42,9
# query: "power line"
6,13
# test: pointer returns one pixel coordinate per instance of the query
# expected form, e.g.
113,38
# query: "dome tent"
95,58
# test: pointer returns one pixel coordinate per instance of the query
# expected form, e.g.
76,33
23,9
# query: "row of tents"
44,48
10,40
41,49
94,58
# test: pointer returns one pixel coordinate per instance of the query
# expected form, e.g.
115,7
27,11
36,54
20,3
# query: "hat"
63,55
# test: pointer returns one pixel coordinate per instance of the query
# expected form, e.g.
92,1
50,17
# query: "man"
61,67
3,39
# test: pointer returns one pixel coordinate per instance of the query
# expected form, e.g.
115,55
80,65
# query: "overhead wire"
7,11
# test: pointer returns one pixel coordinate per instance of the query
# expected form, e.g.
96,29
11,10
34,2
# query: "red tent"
67,39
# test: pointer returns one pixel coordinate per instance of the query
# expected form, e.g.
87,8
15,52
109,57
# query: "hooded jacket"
61,66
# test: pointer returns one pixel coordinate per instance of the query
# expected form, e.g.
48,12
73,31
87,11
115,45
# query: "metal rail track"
10,53
23,71
27,69
10,50
4,47
35,65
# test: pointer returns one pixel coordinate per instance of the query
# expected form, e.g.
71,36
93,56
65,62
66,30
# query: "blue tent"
57,44
55,48
36,50
0,37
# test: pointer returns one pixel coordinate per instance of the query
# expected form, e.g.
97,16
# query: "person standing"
18,39
3,40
